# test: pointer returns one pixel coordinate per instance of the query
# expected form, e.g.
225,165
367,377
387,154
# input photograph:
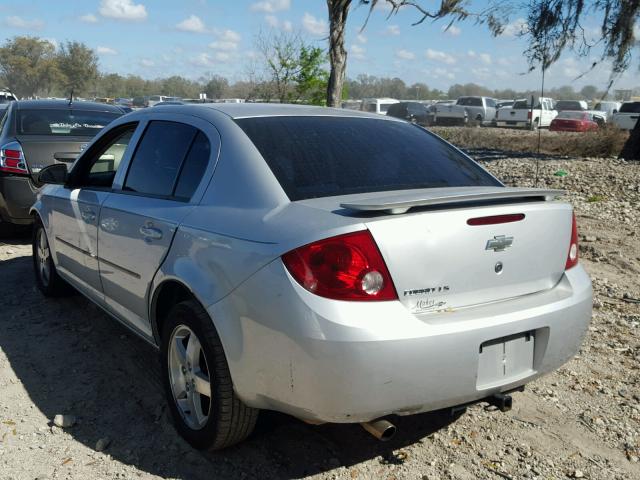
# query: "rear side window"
326,156
194,166
63,122
631,107
156,163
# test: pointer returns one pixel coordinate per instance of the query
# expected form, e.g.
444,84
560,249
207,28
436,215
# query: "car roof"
77,105
249,110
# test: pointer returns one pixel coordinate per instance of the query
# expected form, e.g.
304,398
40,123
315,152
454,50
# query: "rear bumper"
333,361
17,194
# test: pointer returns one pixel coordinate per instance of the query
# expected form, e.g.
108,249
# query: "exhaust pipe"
381,429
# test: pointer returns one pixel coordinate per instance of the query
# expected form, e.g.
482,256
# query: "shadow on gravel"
73,359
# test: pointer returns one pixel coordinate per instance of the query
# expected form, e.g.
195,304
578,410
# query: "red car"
569,121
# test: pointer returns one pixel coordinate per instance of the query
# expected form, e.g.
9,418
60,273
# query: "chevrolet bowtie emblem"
499,243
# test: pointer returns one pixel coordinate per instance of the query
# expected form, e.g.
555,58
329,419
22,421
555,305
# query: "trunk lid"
439,262
44,150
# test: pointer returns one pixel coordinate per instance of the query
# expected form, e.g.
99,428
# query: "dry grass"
606,142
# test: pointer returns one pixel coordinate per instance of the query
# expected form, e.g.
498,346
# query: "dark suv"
414,112
38,133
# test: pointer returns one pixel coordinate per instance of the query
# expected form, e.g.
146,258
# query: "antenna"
71,97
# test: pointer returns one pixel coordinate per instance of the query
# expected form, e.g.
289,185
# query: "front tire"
205,409
47,278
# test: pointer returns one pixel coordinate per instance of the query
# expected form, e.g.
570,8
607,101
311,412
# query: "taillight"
346,267
12,159
529,115
572,257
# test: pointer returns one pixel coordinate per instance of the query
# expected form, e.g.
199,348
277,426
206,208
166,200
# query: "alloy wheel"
189,377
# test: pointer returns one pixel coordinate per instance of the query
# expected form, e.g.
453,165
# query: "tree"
554,26
589,92
28,65
311,80
79,66
215,86
338,13
293,70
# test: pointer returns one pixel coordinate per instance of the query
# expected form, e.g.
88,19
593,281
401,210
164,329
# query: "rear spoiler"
401,202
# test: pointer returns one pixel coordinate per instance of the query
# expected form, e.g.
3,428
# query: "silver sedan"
334,265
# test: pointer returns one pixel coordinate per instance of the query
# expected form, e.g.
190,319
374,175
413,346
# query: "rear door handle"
151,233
88,216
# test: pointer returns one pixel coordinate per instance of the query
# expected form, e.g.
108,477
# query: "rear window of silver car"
326,156
630,107
63,122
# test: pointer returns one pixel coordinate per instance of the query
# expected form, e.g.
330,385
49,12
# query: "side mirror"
55,174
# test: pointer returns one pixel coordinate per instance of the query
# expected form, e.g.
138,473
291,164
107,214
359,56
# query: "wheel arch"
167,293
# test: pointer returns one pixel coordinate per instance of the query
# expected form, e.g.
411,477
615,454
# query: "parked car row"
520,113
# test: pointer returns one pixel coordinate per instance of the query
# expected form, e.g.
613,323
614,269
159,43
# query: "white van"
377,105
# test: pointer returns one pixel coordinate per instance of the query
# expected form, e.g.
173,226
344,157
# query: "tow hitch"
501,401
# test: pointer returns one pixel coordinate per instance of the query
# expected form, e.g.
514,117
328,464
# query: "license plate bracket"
504,360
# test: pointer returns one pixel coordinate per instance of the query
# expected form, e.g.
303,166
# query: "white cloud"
405,54
357,52
222,57
22,23
392,30
636,32
452,30
274,22
229,36
485,58
313,25
271,20
192,24
106,51
472,54
145,62
202,60
89,18
223,45
361,38
122,10
482,72
271,6
439,56
440,73
515,28
227,40
504,62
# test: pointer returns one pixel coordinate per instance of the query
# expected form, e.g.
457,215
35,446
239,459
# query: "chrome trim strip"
76,248
118,267
100,259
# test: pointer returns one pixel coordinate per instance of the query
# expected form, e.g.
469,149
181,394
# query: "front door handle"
151,233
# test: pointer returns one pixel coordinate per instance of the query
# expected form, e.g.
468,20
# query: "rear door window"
156,163
170,161
326,156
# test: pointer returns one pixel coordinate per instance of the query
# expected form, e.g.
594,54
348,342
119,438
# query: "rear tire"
205,409
47,278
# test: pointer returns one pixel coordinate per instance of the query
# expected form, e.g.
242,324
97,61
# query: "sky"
192,38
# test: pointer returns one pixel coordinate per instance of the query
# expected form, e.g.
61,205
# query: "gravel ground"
66,357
